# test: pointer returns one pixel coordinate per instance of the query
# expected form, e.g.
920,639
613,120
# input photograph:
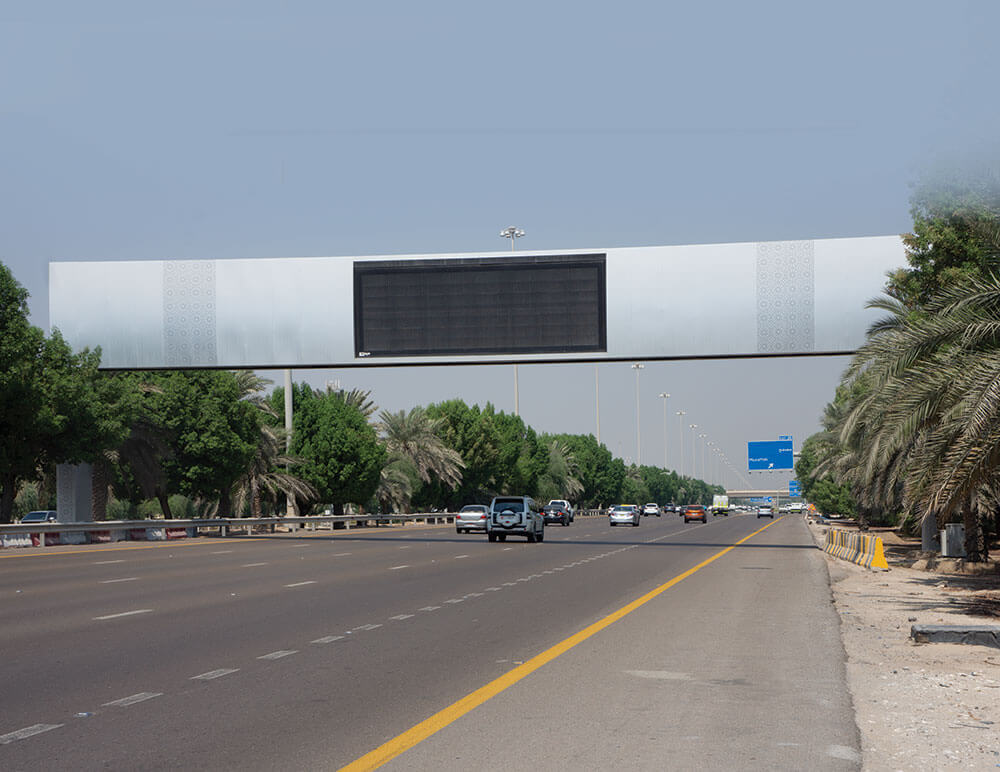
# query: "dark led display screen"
545,304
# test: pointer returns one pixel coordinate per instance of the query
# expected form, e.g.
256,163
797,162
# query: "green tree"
342,457
51,407
601,474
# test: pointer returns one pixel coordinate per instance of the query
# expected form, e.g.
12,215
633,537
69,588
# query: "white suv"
515,516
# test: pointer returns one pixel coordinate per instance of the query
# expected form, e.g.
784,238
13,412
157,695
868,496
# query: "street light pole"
638,448
680,436
597,402
704,474
664,396
694,468
513,234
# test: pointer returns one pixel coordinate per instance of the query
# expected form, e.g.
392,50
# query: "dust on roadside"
918,706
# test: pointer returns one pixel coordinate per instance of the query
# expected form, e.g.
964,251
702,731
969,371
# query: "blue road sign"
793,488
785,437
769,455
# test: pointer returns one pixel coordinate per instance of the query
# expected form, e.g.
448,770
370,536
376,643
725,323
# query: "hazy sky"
215,130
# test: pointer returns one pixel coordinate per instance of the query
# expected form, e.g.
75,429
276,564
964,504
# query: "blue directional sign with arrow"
793,488
771,455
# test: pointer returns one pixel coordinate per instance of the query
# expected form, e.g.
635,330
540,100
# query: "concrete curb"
974,635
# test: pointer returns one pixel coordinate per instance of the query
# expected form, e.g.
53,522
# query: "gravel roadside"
918,706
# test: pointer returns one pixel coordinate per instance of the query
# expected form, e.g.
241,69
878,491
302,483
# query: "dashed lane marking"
368,627
328,639
401,617
430,608
106,562
253,565
124,702
459,557
115,581
211,675
454,600
342,554
278,654
397,568
301,584
220,552
492,589
28,731
448,715
123,614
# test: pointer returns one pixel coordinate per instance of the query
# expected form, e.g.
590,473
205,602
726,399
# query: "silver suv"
515,516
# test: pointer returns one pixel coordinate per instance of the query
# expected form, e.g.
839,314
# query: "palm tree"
264,478
394,487
413,436
930,424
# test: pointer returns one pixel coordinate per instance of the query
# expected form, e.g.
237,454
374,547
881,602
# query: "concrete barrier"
856,547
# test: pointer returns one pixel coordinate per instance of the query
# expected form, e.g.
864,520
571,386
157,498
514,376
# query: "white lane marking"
396,568
124,614
220,552
430,608
524,579
328,639
106,562
115,581
558,568
505,549
492,589
566,538
474,595
213,674
405,547
301,584
28,731
454,600
401,617
342,554
659,675
124,702
253,565
459,557
508,584
277,654
546,572
367,627
535,576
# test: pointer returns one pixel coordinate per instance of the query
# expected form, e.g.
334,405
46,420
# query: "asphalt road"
308,652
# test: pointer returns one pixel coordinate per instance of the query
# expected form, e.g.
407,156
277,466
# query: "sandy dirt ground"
920,707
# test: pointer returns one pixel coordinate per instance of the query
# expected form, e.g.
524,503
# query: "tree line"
912,434
212,442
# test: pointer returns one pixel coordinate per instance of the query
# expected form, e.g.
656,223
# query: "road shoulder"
918,706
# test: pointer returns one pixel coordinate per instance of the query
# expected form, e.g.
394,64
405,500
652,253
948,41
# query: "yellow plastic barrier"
856,547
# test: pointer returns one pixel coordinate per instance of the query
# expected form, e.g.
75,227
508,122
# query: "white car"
650,509
624,514
765,510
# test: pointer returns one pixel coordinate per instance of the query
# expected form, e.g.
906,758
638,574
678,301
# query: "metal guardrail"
221,524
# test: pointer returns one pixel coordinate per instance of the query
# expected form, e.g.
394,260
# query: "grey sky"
265,129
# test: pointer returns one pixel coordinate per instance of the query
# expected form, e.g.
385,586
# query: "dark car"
557,513
695,512
41,516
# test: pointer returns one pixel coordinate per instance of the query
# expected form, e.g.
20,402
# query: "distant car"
624,514
650,509
765,510
41,516
557,513
565,505
471,517
515,516
695,512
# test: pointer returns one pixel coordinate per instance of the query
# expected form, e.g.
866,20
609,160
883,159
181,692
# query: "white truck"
720,505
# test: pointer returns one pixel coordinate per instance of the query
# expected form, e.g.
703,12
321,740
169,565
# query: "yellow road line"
417,734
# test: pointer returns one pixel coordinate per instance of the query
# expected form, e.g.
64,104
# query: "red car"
695,512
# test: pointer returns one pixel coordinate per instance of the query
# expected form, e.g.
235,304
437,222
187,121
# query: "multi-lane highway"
313,651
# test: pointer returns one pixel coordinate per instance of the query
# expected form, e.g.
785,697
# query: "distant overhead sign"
793,488
772,455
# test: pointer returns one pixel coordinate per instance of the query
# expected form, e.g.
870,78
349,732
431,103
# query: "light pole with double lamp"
513,234
664,396
638,450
